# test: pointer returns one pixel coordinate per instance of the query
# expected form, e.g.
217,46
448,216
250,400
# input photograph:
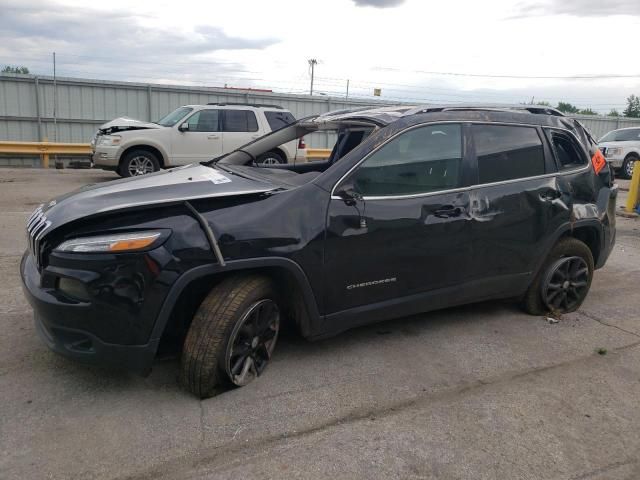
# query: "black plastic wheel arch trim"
311,323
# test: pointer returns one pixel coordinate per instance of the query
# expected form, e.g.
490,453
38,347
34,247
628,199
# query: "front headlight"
110,140
614,151
119,242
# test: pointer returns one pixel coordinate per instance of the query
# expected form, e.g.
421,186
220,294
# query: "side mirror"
184,127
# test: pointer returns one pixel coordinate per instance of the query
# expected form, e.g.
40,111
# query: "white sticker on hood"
217,178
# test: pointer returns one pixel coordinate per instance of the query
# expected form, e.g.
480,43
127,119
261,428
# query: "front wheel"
564,280
138,162
270,158
232,336
627,166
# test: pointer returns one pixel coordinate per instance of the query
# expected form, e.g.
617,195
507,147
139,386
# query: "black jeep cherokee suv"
417,208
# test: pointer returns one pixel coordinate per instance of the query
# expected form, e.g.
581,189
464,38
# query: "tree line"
632,110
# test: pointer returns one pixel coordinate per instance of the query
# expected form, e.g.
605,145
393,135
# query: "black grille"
36,226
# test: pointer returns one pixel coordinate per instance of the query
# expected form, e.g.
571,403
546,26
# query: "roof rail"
535,109
257,105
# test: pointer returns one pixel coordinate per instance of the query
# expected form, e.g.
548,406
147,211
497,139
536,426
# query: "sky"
453,51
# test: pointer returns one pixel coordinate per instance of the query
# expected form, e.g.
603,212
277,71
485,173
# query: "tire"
270,158
568,253
627,166
222,329
138,162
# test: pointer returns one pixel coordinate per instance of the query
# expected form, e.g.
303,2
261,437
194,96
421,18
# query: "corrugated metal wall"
26,106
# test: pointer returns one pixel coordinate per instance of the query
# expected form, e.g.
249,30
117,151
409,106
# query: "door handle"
448,211
213,137
550,195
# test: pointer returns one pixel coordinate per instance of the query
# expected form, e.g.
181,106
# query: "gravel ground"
476,392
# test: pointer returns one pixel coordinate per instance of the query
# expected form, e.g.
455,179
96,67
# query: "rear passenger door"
238,128
515,205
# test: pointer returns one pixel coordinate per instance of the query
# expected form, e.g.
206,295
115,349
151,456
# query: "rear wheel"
270,158
627,166
232,336
563,282
138,162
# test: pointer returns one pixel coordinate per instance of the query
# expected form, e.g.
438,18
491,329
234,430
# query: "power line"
530,77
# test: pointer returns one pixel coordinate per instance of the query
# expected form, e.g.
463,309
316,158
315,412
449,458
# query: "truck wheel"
138,162
270,158
627,166
232,336
563,282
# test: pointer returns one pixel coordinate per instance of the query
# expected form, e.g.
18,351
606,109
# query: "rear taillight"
301,144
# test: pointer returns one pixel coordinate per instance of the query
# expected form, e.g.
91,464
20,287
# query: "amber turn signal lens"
133,244
114,243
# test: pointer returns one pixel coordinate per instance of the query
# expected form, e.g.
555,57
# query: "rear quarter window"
278,120
568,154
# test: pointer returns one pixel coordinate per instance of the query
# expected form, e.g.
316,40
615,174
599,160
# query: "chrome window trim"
470,187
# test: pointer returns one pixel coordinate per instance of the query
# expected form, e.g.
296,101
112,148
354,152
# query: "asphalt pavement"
482,391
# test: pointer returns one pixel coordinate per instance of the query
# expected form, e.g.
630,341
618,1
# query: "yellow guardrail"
318,153
44,149
633,198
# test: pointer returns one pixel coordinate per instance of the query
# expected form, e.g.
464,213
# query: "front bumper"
616,162
105,156
78,344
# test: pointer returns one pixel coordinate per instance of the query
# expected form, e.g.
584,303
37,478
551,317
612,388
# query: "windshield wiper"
231,171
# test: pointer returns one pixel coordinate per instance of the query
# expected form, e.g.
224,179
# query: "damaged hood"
165,187
125,123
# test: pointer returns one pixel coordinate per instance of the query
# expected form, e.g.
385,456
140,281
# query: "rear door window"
277,120
240,121
506,152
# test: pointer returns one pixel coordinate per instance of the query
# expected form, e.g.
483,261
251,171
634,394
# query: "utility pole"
55,101
347,96
55,111
312,63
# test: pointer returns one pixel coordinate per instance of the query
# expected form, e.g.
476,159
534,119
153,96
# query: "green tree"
566,107
16,69
543,103
587,111
633,107
613,113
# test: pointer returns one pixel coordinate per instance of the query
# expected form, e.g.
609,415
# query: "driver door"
407,231
200,141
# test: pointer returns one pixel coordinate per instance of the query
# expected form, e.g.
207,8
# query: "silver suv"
621,148
189,134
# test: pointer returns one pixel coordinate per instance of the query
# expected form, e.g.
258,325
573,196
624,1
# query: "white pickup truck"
621,148
191,133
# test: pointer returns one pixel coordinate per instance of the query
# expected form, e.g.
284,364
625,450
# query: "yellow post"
44,158
634,189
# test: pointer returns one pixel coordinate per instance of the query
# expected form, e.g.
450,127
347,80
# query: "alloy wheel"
140,165
252,342
566,284
270,161
629,167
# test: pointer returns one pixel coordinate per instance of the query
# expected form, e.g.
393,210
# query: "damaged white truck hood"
125,123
